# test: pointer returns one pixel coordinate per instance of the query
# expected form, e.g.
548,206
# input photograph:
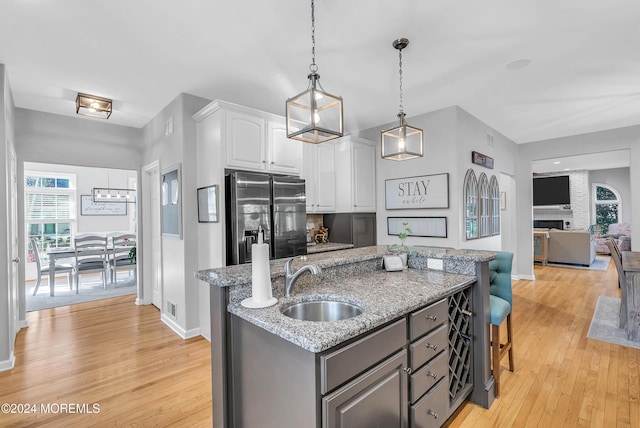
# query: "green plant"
402,235
132,254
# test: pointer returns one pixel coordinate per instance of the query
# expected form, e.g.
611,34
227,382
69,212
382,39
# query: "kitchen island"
272,370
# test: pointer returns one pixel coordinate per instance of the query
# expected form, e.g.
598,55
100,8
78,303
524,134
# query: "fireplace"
548,224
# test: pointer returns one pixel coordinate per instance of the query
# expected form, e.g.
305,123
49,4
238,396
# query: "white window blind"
48,206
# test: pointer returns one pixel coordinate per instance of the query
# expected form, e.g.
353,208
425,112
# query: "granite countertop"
228,276
384,296
329,246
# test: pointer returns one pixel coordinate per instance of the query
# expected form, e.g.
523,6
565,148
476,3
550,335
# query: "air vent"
171,308
489,140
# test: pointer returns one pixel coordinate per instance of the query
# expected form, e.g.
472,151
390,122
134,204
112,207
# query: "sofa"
571,247
621,234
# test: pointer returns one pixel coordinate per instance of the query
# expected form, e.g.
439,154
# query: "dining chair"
60,267
616,255
91,256
500,305
119,258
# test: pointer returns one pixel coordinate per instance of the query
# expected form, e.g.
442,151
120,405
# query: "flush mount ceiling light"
314,116
90,105
403,142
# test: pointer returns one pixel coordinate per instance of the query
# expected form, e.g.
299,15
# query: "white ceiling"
591,161
582,75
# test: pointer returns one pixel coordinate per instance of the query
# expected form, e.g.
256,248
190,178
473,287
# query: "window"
49,210
484,208
607,206
471,204
494,194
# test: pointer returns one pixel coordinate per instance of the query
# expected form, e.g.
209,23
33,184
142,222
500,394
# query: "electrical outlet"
436,264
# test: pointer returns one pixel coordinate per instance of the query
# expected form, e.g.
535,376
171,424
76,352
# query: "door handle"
16,260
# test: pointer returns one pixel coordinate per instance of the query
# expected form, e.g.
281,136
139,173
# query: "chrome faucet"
291,278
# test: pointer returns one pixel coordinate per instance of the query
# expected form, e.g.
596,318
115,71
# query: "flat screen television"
551,191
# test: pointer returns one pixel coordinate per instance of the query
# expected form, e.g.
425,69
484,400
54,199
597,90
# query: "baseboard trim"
141,302
185,334
23,324
527,277
8,364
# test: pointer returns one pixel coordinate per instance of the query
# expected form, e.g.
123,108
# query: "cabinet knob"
432,413
431,317
430,346
433,375
466,312
264,161
272,162
407,369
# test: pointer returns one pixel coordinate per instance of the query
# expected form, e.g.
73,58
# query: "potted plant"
402,249
132,255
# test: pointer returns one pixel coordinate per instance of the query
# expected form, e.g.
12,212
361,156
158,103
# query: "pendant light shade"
403,142
314,116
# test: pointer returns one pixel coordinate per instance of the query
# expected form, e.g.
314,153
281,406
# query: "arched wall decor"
481,205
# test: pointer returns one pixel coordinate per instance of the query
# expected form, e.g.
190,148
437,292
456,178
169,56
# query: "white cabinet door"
245,141
318,170
309,174
325,177
364,177
284,154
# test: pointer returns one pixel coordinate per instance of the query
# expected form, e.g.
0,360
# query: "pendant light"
403,142
314,116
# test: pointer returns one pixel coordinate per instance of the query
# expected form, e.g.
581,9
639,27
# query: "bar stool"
500,302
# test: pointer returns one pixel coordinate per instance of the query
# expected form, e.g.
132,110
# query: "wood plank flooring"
112,353
120,356
562,379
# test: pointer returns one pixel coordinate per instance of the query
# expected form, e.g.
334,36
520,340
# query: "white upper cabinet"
260,144
284,154
246,140
356,173
320,179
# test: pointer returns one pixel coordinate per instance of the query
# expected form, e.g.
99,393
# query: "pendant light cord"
313,67
400,56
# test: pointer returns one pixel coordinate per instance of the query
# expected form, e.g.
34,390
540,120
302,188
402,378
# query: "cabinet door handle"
430,346
431,317
433,375
407,369
432,413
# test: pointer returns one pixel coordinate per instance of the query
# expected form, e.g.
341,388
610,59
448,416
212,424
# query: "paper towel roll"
260,273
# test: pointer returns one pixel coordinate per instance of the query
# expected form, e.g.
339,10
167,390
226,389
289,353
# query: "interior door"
13,238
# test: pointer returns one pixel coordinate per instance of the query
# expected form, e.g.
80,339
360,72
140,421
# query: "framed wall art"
88,207
208,204
171,202
425,191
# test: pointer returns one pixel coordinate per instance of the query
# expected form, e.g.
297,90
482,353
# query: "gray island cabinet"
419,349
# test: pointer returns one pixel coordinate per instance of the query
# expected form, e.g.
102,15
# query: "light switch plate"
435,264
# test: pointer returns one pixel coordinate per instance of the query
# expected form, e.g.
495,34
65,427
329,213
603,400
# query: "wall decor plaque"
482,160
425,191
88,207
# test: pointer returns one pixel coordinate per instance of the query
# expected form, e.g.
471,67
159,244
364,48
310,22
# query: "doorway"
152,259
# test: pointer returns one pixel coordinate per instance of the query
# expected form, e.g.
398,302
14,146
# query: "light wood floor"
112,353
562,379
141,374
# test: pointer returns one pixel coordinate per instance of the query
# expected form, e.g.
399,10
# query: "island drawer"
343,364
423,379
433,409
429,346
427,319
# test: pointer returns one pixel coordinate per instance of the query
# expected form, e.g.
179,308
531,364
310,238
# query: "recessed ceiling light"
556,163
518,64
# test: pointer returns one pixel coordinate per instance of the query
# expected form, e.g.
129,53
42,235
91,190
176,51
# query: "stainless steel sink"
322,310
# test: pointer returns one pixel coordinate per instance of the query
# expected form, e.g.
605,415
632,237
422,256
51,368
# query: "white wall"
450,135
596,142
179,255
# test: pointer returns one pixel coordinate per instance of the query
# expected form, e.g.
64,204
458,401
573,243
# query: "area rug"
600,263
90,289
604,325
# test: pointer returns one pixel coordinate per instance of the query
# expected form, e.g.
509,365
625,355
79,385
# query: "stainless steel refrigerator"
271,202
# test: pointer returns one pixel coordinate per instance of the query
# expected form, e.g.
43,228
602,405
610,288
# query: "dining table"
54,254
631,268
